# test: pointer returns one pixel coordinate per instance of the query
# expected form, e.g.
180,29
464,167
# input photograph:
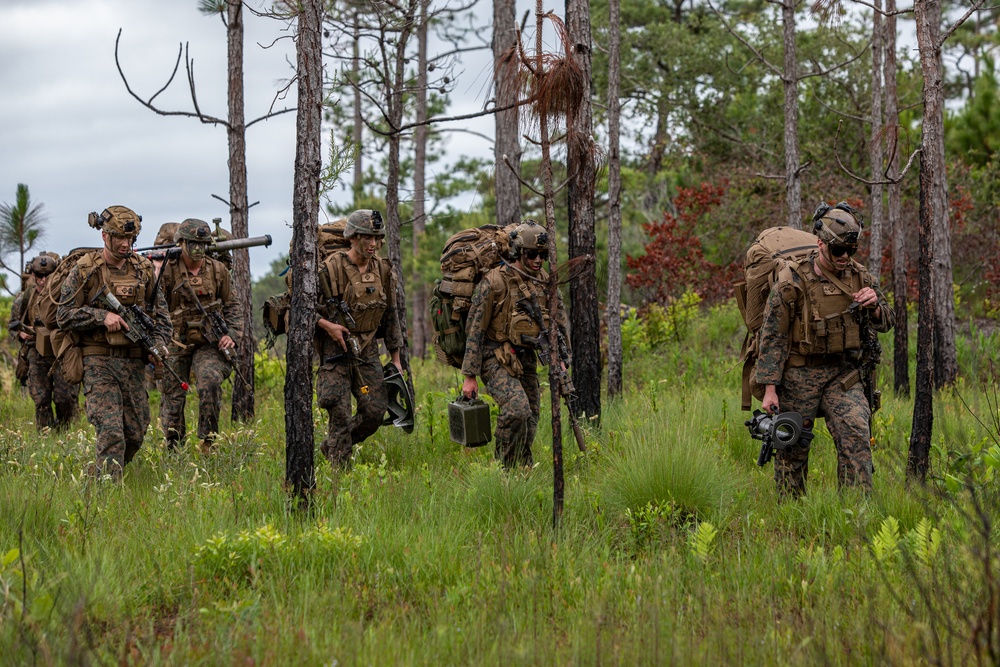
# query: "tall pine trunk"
875,146
585,323
790,81
299,469
900,285
243,381
507,143
421,330
613,308
932,209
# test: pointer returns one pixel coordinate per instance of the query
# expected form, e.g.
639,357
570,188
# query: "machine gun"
139,330
173,250
774,431
215,329
557,373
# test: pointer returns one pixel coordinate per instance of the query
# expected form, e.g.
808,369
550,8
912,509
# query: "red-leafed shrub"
674,261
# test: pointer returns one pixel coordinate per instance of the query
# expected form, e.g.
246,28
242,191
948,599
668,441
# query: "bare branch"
759,54
898,12
523,182
884,181
976,6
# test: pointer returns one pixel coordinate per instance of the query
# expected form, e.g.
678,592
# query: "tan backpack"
465,259
771,250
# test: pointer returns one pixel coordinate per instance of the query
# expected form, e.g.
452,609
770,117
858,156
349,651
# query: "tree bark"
508,189
932,208
394,224
613,308
243,381
875,146
558,480
359,123
900,285
585,322
421,332
299,471
790,81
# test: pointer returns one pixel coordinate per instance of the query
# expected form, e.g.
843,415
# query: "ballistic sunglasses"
839,250
532,254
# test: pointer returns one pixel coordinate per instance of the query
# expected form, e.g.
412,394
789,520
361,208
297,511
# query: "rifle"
18,325
139,330
173,250
558,373
341,311
867,361
215,330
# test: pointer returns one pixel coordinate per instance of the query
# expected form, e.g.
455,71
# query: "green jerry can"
469,422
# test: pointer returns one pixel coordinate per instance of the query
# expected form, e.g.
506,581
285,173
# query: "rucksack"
329,239
48,300
773,249
465,259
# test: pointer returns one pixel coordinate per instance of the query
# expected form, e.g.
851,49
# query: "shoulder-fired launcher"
173,250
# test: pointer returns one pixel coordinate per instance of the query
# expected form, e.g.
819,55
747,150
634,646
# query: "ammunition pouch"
507,356
69,355
43,342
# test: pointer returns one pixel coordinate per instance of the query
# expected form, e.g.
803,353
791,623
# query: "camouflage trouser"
807,391
46,389
117,406
518,400
210,369
335,384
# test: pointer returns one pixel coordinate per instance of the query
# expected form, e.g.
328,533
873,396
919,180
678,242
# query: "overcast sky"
70,131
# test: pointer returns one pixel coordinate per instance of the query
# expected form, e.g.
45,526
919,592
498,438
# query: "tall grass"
672,548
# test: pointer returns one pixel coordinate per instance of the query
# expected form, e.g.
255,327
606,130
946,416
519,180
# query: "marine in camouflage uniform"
113,383
810,344
196,346
45,381
495,349
348,341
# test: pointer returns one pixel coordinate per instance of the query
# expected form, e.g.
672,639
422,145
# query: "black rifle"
215,328
139,330
352,355
557,372
775,432
867,361
18,325
173,250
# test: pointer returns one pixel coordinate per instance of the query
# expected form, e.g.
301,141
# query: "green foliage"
426,552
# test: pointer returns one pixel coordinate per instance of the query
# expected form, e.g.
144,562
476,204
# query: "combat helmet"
165,236
529,235
364,221
840,224
193,229
44,264
117,221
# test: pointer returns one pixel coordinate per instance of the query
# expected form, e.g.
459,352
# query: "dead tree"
613,308
581,165
231,13
299,445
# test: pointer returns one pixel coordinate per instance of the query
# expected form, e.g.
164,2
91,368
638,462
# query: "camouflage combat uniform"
494,351
113,382
45,381
371,300
190,350
808,356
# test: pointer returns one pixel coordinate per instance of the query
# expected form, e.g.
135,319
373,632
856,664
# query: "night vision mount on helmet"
840,224
117,221
364,221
